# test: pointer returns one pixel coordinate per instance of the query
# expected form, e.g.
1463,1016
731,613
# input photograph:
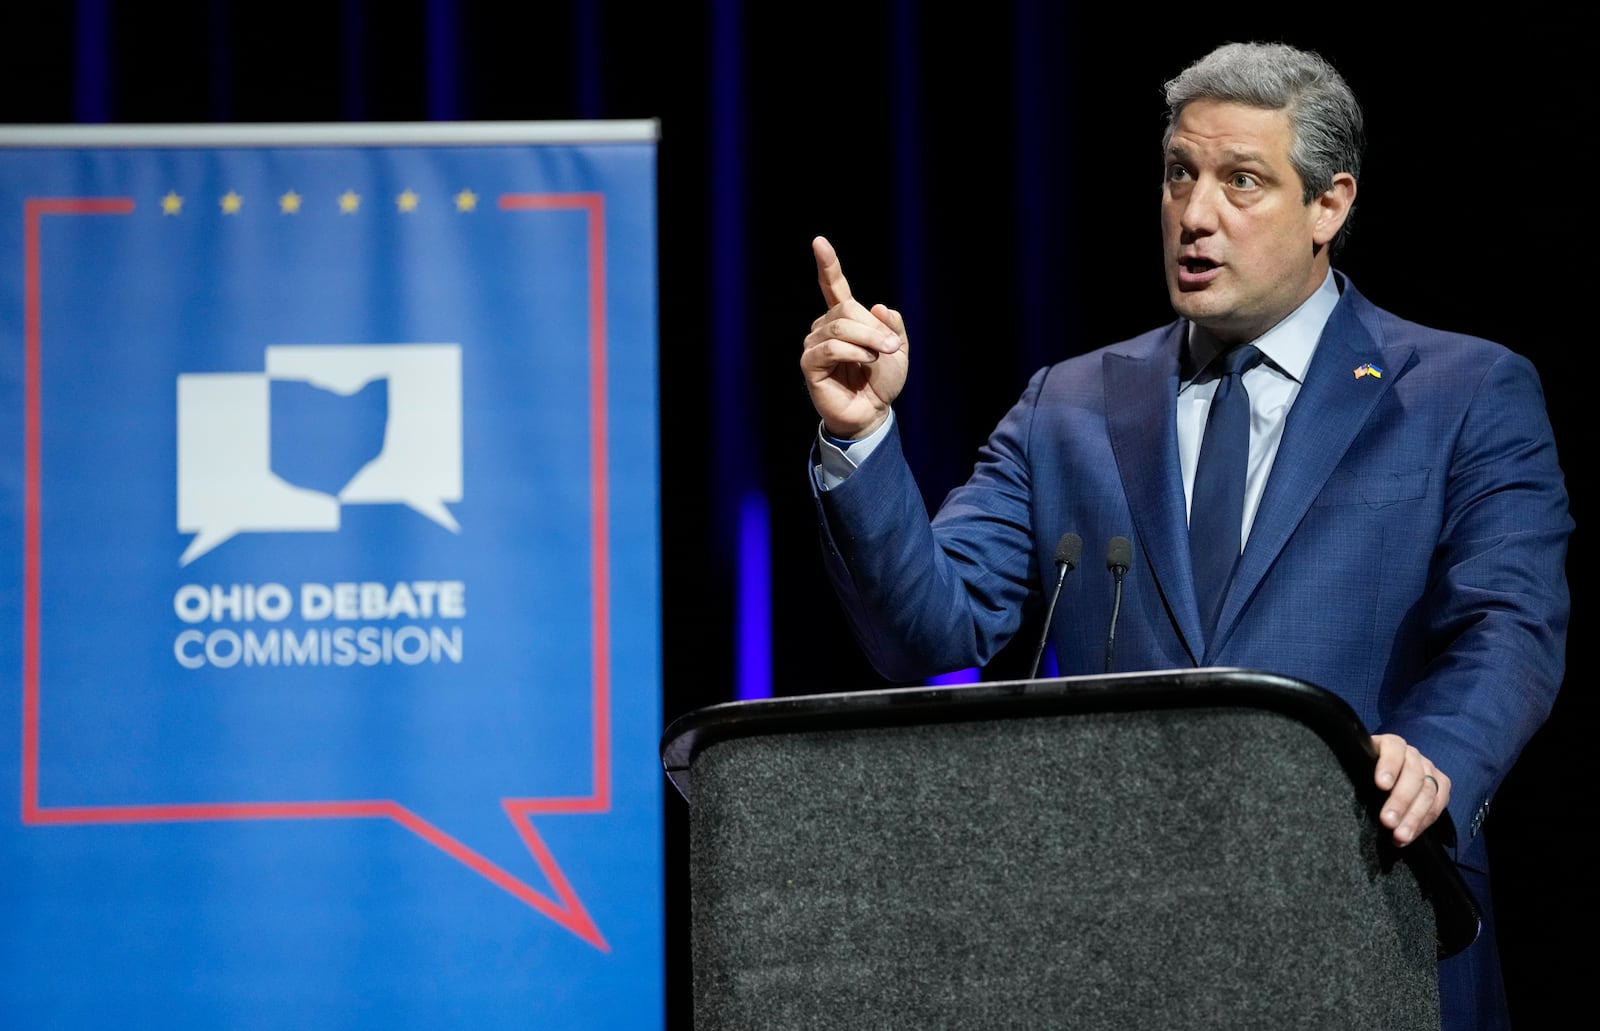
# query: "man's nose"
1199,214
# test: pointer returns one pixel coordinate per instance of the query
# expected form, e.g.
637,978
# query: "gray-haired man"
1329,427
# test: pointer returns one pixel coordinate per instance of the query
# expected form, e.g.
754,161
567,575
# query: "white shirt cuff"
837,463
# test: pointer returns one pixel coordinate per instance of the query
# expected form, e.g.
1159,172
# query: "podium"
1187,849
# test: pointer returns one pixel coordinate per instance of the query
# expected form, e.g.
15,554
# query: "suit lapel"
1332,407
1141,386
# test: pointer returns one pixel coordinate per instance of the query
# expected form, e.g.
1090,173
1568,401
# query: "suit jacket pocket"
1373,488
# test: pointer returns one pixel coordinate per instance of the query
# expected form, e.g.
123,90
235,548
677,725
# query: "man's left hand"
1418,790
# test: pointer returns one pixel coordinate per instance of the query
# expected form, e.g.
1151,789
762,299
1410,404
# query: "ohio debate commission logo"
281,448
231,478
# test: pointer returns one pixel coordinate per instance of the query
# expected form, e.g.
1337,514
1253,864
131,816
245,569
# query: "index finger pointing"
829,275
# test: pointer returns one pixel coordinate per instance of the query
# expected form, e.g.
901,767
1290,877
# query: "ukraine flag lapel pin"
1368,369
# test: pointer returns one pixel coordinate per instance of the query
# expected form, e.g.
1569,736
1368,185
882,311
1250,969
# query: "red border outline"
566,909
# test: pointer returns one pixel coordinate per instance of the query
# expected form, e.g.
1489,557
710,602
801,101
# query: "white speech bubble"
225,480
420,463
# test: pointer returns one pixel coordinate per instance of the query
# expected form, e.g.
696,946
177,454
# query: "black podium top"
1322,712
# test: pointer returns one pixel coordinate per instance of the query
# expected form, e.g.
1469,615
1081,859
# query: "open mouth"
1196,266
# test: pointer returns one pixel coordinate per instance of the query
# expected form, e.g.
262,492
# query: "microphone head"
1119,555
1068,550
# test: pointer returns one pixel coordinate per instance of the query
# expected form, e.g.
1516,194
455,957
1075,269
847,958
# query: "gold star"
466,200
171,204
349,202
289,203
231,203
407,201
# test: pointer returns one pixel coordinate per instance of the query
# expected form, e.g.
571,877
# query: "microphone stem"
1049,614
1111,637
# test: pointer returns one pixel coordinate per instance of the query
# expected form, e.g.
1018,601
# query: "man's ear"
1332,207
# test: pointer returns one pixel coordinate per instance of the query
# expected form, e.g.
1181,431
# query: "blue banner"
331,665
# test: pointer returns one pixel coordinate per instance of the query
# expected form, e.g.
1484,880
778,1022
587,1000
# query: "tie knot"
1238,361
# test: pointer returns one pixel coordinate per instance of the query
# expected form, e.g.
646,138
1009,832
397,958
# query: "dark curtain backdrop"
993,171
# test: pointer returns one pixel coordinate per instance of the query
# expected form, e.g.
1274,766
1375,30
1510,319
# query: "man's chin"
1198,305
1215,317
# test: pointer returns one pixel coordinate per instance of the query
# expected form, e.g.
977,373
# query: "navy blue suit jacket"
1408,554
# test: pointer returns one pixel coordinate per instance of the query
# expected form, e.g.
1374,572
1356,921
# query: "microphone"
1068,550
1119,556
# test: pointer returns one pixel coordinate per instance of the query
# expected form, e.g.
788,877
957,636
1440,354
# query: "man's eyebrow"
1229,157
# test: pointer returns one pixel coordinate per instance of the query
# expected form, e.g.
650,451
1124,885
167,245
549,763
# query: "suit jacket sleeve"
1493,614
926,597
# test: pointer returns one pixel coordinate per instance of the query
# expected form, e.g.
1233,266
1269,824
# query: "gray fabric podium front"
1194,849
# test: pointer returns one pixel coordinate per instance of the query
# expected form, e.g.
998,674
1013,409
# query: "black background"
991,169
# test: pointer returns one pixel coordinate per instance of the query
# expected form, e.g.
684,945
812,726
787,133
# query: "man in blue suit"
1398,521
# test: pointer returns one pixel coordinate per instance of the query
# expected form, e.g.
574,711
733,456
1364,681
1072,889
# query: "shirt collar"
1288,346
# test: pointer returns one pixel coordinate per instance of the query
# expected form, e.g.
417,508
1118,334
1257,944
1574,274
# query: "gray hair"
1327,124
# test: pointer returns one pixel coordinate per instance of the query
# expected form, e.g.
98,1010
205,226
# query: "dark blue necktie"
1216,512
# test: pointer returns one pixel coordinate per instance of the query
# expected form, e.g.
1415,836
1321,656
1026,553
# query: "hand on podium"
1418,790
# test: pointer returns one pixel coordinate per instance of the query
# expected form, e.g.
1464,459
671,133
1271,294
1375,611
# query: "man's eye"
1177,173
1242,181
